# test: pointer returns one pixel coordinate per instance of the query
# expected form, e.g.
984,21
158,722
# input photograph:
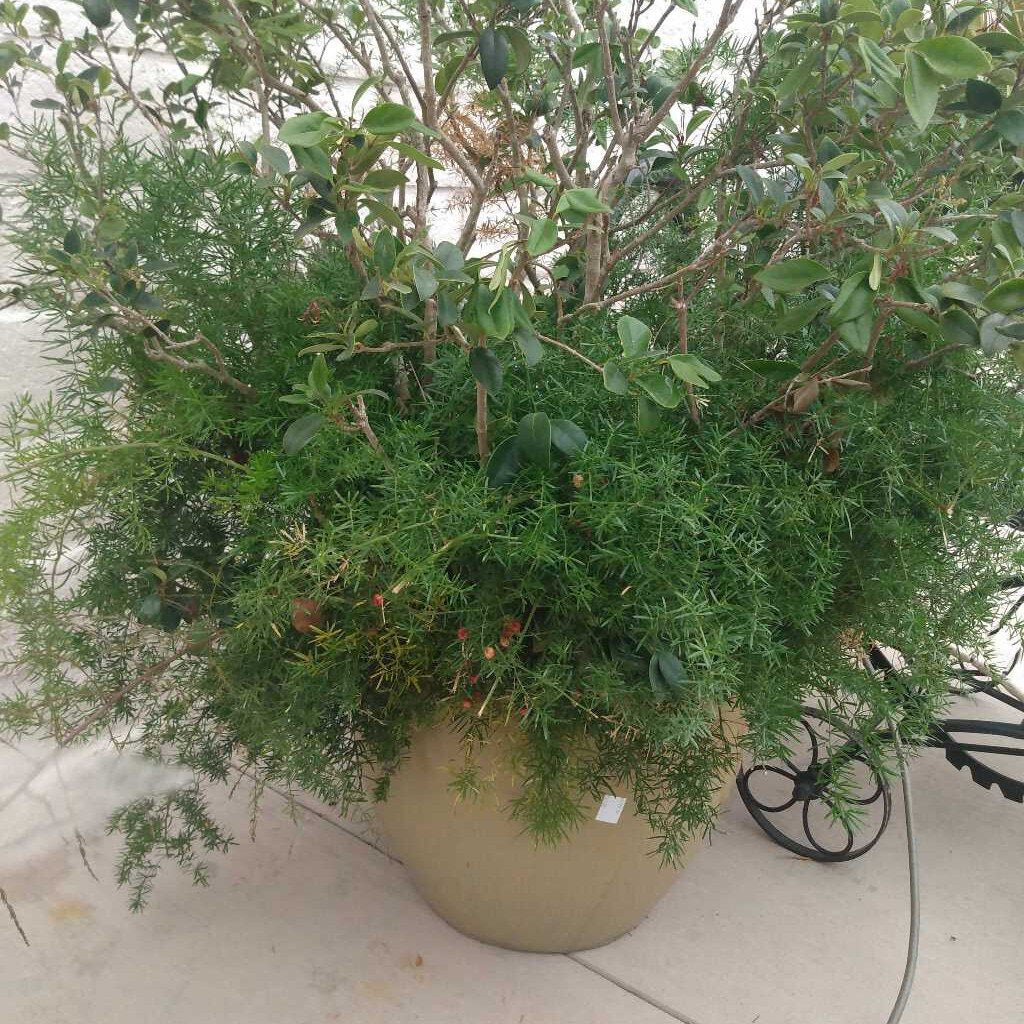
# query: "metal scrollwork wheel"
793,798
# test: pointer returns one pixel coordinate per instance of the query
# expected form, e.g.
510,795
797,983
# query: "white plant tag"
611,809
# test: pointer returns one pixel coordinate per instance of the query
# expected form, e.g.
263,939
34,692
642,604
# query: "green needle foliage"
309,481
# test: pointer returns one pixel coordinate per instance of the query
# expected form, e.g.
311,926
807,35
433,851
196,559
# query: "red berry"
462,633
378,600
473,679
467,703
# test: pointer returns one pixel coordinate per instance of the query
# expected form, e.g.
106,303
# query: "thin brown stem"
683,329
362,421
573,352
932,357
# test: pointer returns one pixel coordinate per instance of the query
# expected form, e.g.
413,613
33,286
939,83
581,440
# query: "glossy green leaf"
301,432
486,368
837,163
877,59
798,317
921,86
450,37
793,275
688,367
958,327
962,292
685,370
314,160
661,390
385,251
666,675
72,241
615,379
982,97
536,178
496,314
1010,124
753,182
856,333
98,12
384,179
345,221
699,117
389,119
424,281
532,349
991,334
953,56
853,300
319,379
999,42
504,463
64,52
792,85
304,129
919,320
1007,297
276,158
1013,329
894,213
493,49
634,335
535,438
567,437
543,237
522,51
773,369
943,233
451,259
448,312
648,416
1017,223
582,200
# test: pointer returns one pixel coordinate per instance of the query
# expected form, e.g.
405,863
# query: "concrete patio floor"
310,924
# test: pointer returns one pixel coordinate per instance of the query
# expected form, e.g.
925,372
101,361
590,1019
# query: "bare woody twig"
682,326
160,347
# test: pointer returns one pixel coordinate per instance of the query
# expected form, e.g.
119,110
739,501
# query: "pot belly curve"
485,877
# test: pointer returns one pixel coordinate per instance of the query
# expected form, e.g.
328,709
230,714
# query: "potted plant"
712,379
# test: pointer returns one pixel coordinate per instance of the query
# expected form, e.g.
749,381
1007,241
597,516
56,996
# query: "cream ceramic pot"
474,865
